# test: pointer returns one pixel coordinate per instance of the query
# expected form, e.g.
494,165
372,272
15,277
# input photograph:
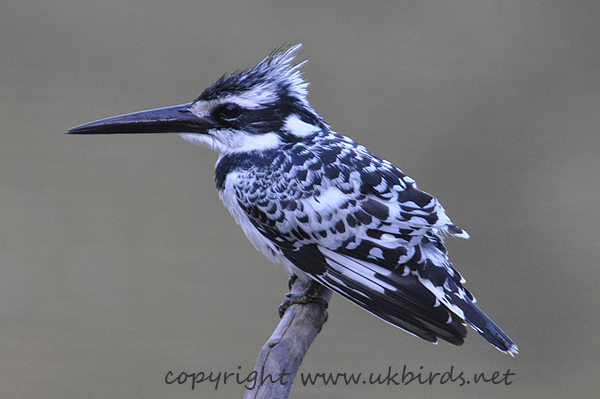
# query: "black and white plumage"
321,204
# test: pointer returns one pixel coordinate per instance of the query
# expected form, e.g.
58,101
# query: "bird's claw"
301,299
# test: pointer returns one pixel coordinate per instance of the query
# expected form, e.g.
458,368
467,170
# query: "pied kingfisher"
322,205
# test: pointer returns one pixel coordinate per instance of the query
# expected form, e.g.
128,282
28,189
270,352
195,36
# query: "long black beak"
176,119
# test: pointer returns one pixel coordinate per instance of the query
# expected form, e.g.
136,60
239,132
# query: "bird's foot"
310,295
300,299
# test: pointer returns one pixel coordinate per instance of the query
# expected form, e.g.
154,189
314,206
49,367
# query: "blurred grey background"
118,261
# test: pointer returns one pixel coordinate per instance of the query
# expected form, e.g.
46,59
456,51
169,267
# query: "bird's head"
255,109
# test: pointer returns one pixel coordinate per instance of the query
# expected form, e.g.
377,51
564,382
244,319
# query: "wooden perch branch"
284,351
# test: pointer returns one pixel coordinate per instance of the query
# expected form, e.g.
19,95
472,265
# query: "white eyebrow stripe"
255,98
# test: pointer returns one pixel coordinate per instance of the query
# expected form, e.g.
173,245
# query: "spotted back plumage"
359,226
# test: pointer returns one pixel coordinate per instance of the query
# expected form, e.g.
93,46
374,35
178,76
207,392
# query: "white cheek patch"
232,141
252,142
299,128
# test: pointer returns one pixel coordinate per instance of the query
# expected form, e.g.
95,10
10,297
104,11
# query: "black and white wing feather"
359,226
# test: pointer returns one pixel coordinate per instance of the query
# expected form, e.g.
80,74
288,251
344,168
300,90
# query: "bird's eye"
229,111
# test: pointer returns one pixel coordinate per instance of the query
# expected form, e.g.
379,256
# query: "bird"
332,213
